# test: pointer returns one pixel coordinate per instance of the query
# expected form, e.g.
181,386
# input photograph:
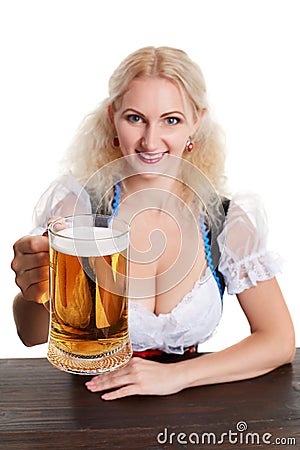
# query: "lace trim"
193,320
165,332
243,274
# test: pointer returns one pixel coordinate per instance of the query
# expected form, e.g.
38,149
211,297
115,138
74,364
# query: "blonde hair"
93,147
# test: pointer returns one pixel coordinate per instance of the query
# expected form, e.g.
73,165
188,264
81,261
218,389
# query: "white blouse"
245,260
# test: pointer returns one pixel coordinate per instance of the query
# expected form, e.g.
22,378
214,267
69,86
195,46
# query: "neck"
159,192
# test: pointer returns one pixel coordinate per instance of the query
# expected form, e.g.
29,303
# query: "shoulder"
246,204
64,196
243,243
246,221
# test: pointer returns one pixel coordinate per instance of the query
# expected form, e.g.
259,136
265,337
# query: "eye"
172,120
134,118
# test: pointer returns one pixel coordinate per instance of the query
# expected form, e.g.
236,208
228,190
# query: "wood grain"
44,408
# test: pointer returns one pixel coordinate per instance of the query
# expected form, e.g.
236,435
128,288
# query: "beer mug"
88,294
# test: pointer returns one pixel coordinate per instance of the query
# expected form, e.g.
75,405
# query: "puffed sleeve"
65,196
245,258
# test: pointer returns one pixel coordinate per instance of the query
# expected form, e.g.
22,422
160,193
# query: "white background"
56,58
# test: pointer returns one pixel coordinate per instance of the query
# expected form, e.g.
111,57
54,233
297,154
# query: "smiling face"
154,119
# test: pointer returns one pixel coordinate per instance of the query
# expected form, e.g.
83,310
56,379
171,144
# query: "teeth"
151,156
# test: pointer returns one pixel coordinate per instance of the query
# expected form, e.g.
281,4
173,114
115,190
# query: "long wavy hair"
92,147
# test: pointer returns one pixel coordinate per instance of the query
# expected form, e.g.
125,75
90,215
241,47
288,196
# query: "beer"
89,306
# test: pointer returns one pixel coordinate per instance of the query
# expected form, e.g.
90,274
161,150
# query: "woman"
155,139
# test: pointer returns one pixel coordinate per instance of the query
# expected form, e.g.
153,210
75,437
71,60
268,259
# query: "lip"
151,157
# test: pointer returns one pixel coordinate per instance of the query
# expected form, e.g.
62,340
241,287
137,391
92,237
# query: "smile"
150,158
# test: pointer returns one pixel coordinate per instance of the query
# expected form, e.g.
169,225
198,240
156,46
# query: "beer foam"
89,241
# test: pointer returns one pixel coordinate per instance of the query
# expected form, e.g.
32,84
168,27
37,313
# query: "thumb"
58,223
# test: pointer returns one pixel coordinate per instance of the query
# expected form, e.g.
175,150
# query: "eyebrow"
169,113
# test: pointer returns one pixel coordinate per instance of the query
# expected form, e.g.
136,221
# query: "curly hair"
92,147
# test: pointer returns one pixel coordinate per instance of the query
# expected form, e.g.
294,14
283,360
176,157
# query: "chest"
166,258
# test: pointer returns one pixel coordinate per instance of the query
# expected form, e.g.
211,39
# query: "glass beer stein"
88,294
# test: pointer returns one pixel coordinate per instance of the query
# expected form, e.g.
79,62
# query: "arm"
271,342
32,321
31,265
249,271
270,345
65,196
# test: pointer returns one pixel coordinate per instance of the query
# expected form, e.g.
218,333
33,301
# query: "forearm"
32,321
254,356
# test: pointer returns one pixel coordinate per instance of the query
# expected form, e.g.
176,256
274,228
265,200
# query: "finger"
125,391
110,380
126,375
58,223
31,244
32,278
38,293
52,219
100,384
38,275
29,261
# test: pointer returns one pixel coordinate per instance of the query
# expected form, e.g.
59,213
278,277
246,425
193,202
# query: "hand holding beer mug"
88,294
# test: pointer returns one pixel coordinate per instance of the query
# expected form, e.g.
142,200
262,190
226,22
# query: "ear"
198,120
110,111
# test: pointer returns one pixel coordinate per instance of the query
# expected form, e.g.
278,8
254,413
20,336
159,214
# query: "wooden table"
44,408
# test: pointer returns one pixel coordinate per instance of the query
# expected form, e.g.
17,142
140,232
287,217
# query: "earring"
116,142
189,145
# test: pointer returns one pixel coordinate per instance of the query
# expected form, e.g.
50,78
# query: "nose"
151,139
